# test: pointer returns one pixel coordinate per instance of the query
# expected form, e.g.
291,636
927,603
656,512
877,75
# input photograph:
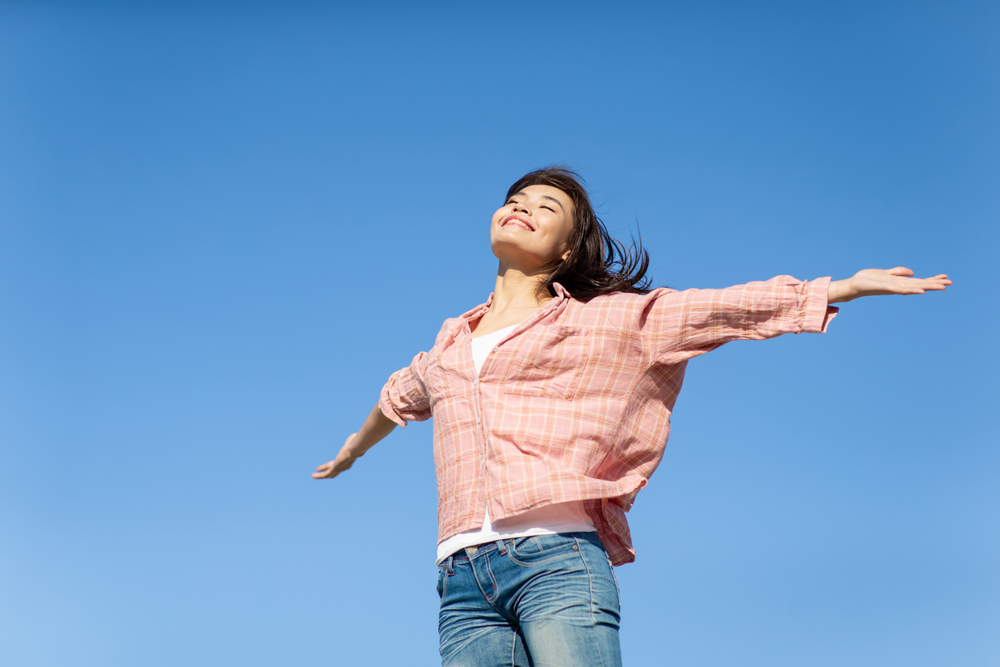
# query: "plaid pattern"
575,404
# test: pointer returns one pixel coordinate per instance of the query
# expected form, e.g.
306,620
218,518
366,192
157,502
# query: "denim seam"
475,575
493,580
618,589
593,605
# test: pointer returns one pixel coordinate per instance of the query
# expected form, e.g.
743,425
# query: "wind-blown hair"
597,263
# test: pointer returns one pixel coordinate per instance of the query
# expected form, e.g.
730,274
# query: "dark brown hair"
597,264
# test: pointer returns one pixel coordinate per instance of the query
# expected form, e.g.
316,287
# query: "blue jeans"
546,601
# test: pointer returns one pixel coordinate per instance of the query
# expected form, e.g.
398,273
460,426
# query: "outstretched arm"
376,427
871,282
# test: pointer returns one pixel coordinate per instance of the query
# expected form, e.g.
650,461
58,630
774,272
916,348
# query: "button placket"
481,435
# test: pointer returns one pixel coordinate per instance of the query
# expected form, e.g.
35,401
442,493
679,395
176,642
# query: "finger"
901,271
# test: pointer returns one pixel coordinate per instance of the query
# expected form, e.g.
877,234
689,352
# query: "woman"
552,407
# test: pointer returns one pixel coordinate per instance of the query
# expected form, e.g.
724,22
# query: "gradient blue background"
222,227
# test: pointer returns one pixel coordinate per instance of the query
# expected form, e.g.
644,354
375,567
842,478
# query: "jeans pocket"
442,582
542,549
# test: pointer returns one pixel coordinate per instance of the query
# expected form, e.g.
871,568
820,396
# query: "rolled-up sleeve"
679,325
404,397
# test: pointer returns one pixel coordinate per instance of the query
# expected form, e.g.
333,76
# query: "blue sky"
223,227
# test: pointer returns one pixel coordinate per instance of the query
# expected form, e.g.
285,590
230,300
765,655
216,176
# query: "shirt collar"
480,310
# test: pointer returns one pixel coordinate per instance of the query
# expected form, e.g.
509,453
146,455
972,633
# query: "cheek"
497,217
566,234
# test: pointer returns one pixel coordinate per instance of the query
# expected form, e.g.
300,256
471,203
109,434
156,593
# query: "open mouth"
513,219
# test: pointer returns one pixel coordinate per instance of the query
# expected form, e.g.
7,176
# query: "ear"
565,255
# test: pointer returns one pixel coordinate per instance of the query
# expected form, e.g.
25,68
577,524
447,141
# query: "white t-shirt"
546,520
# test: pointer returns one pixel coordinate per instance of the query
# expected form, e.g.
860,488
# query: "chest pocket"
444,374
550,362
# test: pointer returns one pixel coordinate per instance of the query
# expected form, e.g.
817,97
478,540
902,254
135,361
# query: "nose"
520,206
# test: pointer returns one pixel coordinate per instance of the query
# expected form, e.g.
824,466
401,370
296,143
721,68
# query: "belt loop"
448,566
502,547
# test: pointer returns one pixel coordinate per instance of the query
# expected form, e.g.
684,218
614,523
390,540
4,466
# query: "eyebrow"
522,192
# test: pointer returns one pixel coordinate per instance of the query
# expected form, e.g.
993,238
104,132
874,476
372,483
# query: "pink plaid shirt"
575,404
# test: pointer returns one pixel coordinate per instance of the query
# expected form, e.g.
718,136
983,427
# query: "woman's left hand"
872,282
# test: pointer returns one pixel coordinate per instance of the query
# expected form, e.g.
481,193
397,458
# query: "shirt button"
496,348
478,419
475,381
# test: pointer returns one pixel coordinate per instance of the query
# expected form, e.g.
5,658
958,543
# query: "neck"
516,289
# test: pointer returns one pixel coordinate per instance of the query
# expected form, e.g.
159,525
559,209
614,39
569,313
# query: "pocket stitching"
512,553
522,388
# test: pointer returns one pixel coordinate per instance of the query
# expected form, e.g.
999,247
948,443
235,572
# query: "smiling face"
531,232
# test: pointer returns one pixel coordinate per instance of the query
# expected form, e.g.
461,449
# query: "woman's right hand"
376,427
345,459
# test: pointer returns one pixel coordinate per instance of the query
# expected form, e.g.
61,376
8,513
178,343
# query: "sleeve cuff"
385,405
818,311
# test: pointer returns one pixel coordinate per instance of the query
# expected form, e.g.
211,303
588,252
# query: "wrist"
840,291
351,450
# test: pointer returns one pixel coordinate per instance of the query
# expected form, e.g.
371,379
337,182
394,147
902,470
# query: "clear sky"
223,226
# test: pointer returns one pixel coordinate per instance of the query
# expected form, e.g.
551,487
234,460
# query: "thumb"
901,271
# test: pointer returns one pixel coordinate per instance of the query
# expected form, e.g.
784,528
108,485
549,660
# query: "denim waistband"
467,553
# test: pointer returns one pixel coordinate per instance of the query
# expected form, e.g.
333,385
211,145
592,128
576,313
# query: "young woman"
551,406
